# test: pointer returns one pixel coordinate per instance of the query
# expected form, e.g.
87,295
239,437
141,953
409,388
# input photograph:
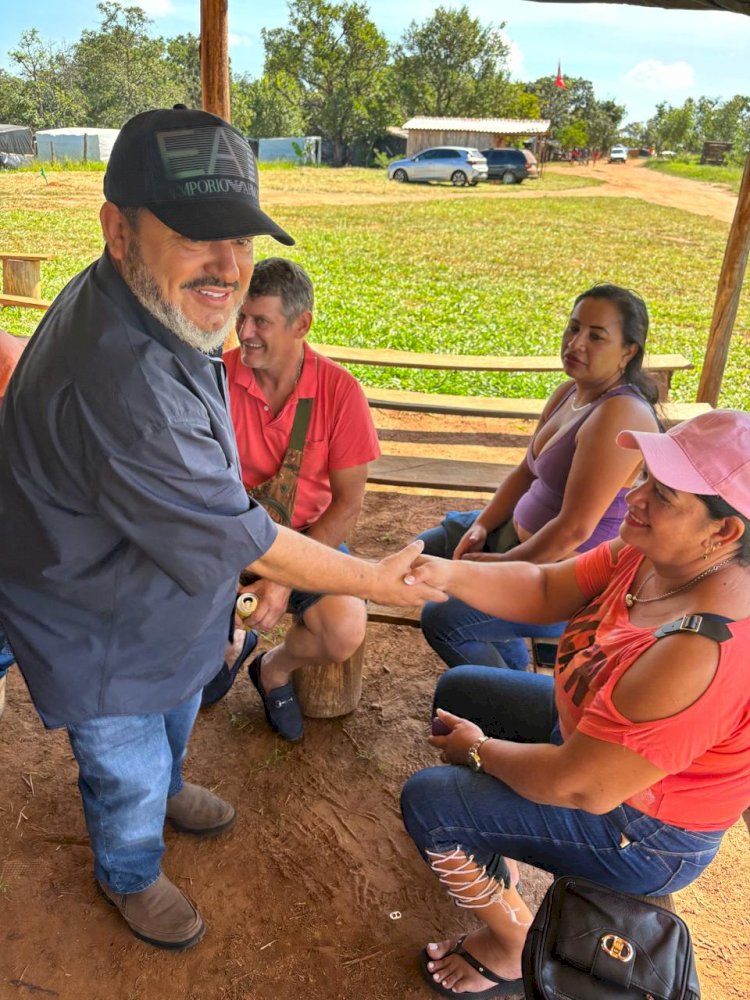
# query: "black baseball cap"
194,171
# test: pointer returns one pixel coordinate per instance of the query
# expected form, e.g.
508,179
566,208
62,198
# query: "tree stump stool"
328,690
22,273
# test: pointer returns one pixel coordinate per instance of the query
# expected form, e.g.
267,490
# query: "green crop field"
486,270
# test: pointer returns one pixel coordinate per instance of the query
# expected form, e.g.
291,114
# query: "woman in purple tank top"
566,496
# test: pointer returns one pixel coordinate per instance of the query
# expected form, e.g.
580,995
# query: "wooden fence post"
727,296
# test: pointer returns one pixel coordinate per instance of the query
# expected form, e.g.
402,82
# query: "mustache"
213,282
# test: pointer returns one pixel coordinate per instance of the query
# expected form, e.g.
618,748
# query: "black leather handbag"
588,942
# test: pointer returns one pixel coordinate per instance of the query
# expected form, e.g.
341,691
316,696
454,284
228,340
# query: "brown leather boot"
161,915
196,810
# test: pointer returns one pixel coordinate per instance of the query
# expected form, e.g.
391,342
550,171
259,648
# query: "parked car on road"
618,154
458,164
511,166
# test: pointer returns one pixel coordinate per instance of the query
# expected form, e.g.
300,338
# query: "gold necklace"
631,599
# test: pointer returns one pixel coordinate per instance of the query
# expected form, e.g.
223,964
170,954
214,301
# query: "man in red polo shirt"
268,374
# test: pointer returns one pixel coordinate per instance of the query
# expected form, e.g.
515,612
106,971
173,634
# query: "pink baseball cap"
709,455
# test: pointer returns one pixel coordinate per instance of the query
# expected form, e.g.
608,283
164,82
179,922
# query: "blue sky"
634,55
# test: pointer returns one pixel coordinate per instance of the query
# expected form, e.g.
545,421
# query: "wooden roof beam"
728,293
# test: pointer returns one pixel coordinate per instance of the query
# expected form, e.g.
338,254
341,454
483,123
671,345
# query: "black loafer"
281,706
220,685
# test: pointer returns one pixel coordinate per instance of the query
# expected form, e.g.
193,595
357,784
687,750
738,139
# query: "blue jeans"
129,765
449,807
459,633
7,658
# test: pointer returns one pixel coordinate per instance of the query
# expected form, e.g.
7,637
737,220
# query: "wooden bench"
661,366
23,302
479,406
456,472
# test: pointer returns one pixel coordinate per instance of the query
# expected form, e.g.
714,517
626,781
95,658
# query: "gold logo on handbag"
617,947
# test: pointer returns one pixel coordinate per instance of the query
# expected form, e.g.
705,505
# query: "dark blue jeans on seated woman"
449,807
459,633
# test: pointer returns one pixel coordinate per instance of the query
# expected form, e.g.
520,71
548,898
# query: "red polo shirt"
10,351
341,433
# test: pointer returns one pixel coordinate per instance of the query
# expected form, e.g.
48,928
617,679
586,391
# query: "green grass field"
432,268
693,171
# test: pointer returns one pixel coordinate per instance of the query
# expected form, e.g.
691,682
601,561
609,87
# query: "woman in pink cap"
630,764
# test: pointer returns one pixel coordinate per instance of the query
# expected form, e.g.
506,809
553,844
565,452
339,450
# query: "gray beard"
145,289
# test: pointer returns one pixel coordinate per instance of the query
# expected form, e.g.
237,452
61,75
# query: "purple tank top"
543,500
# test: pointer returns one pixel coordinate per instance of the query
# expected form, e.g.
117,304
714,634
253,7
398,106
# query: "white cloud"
652,74
235,41
157,8
515,63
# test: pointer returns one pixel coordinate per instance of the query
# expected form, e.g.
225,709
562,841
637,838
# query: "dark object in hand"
439,728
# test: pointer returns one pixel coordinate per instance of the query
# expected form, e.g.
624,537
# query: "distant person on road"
568,494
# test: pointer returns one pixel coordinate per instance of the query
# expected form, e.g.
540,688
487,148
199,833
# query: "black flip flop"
504,987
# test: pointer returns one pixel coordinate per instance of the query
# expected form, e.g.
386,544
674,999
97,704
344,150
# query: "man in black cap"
124,524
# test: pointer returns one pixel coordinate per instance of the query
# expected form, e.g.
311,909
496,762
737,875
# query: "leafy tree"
675,128
121,69
45,94
573,135
184,62
575,103
267,107
332,61
603,123
451,64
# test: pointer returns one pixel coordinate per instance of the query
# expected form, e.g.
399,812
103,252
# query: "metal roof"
497,126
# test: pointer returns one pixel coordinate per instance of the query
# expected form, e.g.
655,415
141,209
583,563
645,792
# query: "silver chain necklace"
631,599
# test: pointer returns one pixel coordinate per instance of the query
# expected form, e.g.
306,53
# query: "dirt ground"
301,897
630,180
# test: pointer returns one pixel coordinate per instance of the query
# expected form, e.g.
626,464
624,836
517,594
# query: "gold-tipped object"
246,604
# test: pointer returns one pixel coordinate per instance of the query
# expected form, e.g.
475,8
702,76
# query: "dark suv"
511,166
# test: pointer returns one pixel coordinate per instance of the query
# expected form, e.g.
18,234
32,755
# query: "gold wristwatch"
473,760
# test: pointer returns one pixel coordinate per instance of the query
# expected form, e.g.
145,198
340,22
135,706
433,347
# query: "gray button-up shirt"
123,520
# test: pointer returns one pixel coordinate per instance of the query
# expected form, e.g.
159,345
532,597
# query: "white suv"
458,164
618,154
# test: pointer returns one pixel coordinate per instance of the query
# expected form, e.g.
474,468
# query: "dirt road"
633,180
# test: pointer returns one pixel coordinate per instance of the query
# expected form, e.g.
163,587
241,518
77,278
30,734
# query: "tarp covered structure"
16,139
16,146
91,144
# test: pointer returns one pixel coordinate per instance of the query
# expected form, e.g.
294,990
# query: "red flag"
559,82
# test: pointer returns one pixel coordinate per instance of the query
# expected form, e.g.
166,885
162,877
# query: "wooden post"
22,273
330,689
727,296
22,277
214,53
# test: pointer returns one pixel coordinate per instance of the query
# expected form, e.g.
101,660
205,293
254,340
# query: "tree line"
331,72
